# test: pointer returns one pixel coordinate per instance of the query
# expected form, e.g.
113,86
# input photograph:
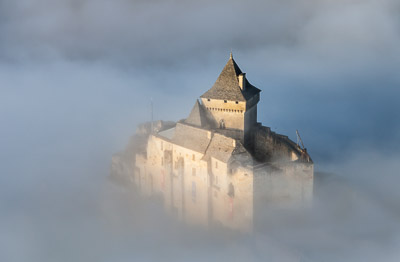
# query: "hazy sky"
76,76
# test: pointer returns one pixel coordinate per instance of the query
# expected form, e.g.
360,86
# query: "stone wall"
267,146
283,185
250,120
230,112
215,189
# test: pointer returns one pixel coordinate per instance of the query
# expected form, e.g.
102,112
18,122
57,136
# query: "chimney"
242,81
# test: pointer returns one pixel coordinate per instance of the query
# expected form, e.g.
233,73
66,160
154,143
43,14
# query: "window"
162,145
193,157
193,191
237,102
225,101
162,161
193,171
231,190
216,164
208,99
216,180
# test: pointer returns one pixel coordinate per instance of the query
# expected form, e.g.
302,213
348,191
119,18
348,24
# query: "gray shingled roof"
227,86
191,137
222,148
169,133
197,116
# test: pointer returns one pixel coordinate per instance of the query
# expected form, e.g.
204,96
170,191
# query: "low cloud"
77,76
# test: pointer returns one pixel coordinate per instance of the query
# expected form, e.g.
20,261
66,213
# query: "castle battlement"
219,165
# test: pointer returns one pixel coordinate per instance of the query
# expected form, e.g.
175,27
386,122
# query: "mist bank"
91,219
76,77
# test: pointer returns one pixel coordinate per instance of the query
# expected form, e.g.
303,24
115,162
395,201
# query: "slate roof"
190,137
222,148
211,145
227,85
197,116
169,133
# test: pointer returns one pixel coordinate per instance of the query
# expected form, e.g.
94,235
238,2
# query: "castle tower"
232,101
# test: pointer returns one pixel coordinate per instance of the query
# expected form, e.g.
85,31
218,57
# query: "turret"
232,101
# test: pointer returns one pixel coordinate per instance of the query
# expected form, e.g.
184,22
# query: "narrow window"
162,145
216,164
193,191
216,180
162,161
231,190
193,171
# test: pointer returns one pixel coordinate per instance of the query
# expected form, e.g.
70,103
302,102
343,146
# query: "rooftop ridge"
226,87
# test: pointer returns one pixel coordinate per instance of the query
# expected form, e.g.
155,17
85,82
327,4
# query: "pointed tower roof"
227,85
197,116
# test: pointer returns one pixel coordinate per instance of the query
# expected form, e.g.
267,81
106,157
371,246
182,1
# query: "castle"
219,165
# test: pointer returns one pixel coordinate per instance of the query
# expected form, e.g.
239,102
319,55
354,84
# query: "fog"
76,77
